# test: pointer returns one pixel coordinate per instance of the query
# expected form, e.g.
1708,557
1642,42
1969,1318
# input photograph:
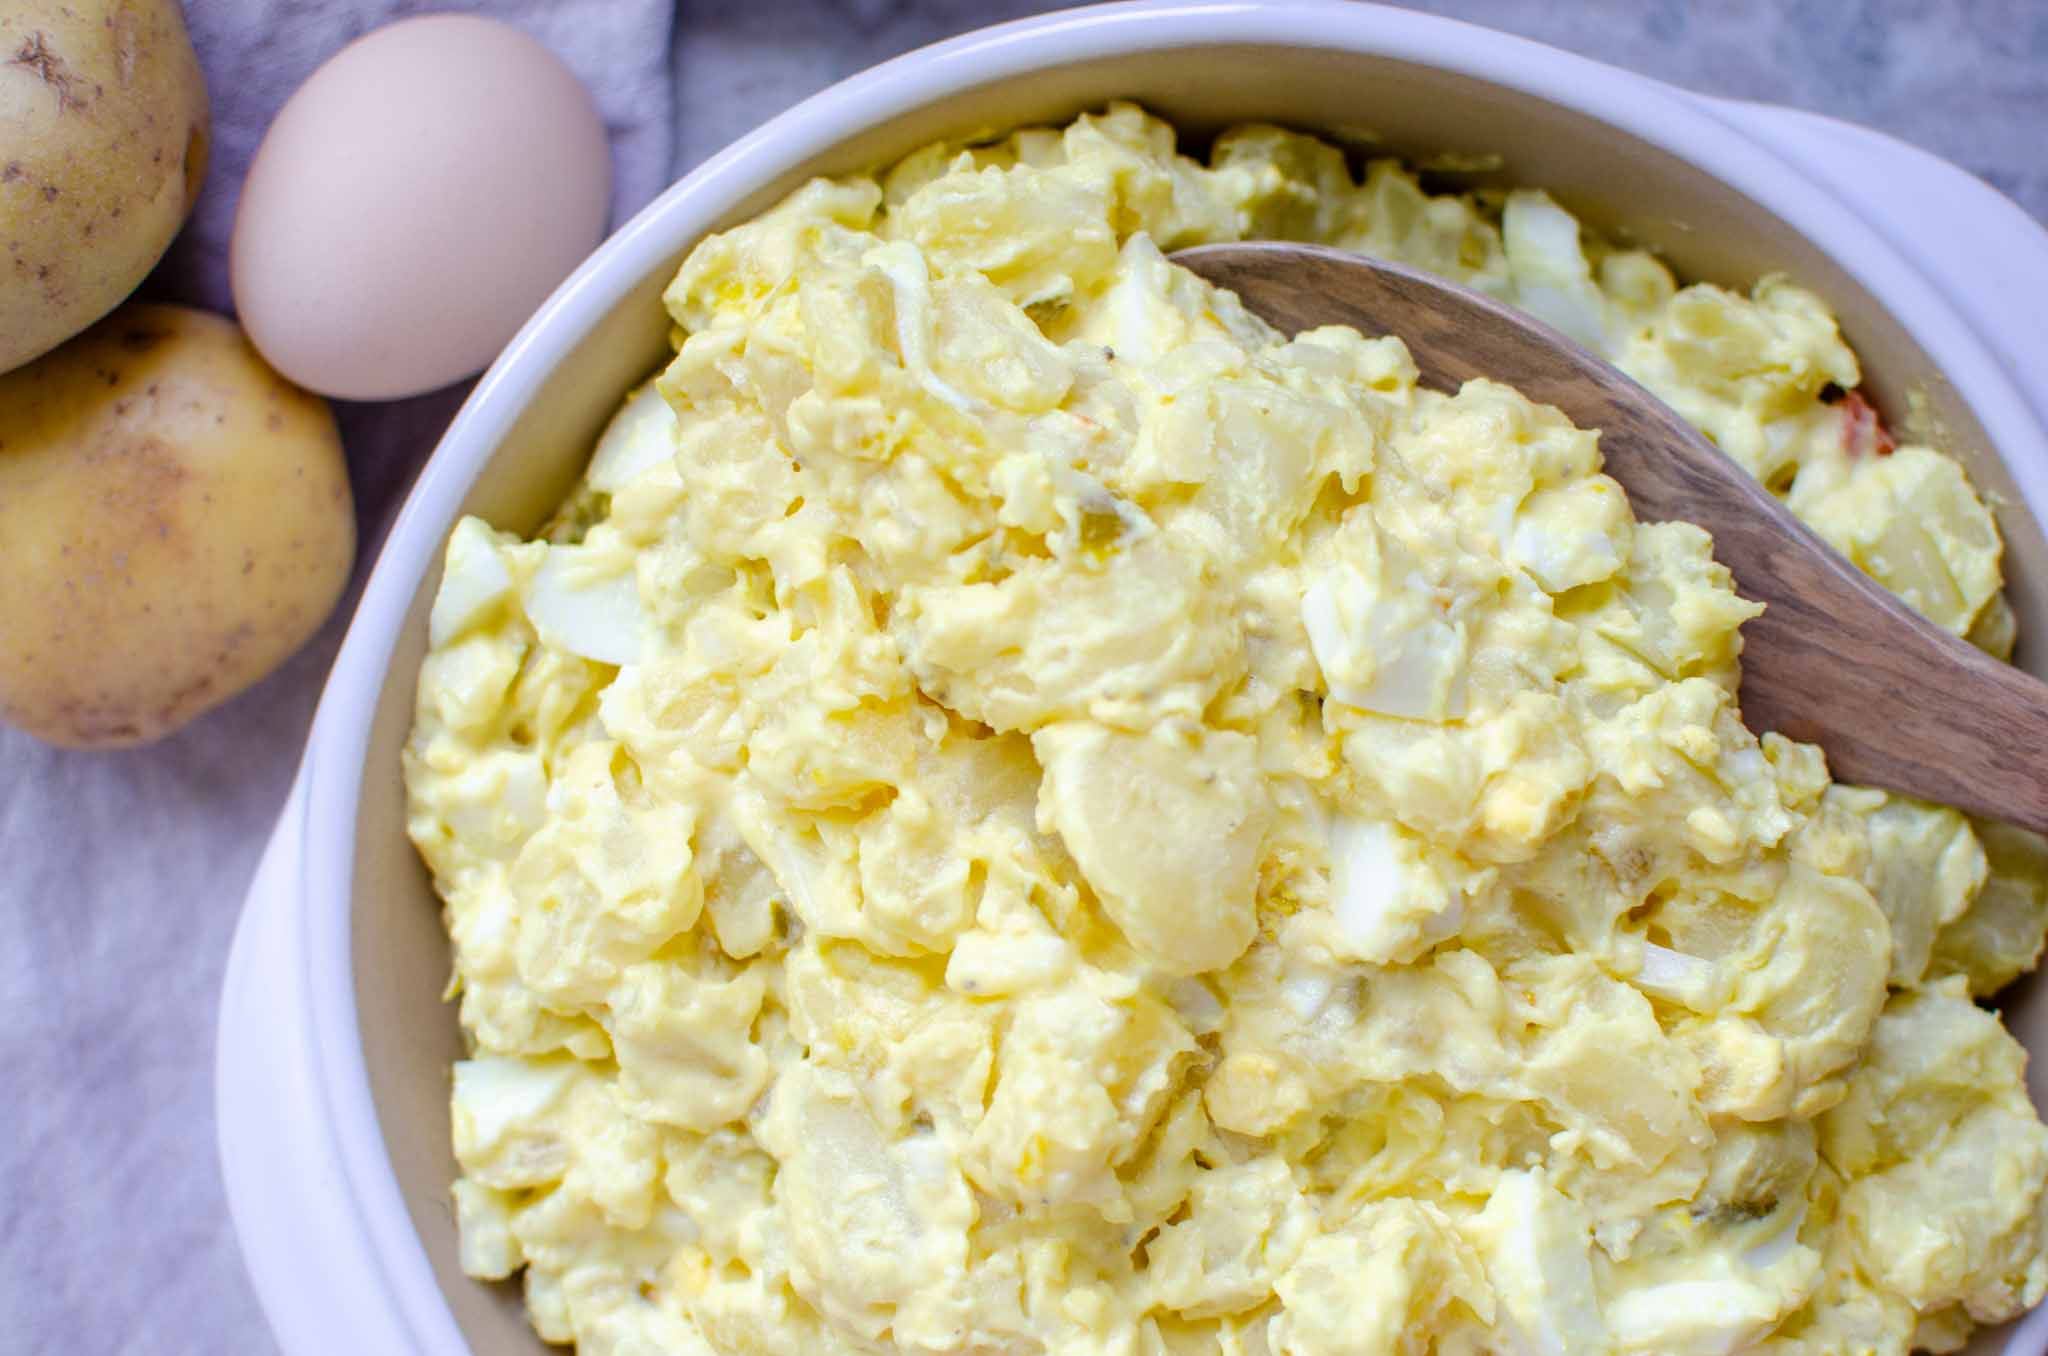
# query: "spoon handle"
1835,660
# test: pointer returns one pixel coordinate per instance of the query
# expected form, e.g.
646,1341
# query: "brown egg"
413,203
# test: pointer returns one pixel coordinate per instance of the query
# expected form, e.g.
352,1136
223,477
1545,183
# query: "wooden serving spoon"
1835,660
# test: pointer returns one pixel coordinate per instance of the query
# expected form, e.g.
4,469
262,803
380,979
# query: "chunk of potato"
106,131
1167,828
176,520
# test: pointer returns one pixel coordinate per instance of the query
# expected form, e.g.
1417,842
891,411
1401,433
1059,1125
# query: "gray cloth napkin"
123,872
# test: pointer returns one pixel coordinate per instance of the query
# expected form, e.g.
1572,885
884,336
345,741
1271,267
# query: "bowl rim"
1651,111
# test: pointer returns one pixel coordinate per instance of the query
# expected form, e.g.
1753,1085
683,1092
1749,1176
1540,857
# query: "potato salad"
1017,810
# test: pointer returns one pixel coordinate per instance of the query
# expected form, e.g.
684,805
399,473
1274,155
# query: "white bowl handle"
1978,245
301,1241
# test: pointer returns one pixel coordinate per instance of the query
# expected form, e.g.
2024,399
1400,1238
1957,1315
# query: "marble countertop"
113,1231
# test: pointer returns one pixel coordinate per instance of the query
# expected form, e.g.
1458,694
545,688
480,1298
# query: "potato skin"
176,520
105,134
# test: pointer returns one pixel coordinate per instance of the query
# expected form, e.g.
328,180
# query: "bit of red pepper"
1863,432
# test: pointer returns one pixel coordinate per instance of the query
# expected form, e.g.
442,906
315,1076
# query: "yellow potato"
177,521
106,131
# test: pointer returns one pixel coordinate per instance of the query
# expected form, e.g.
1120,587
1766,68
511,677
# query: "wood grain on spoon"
1835,660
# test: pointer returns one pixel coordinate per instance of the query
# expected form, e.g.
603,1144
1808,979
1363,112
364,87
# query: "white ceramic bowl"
334,1041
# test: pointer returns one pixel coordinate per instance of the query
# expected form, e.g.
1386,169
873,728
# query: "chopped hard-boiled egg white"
1392,652
1675,976
494,1097
1018,811
905,269
1538,1251
641,436
1552,279
474,581
586,601
1388,903
1714,1317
